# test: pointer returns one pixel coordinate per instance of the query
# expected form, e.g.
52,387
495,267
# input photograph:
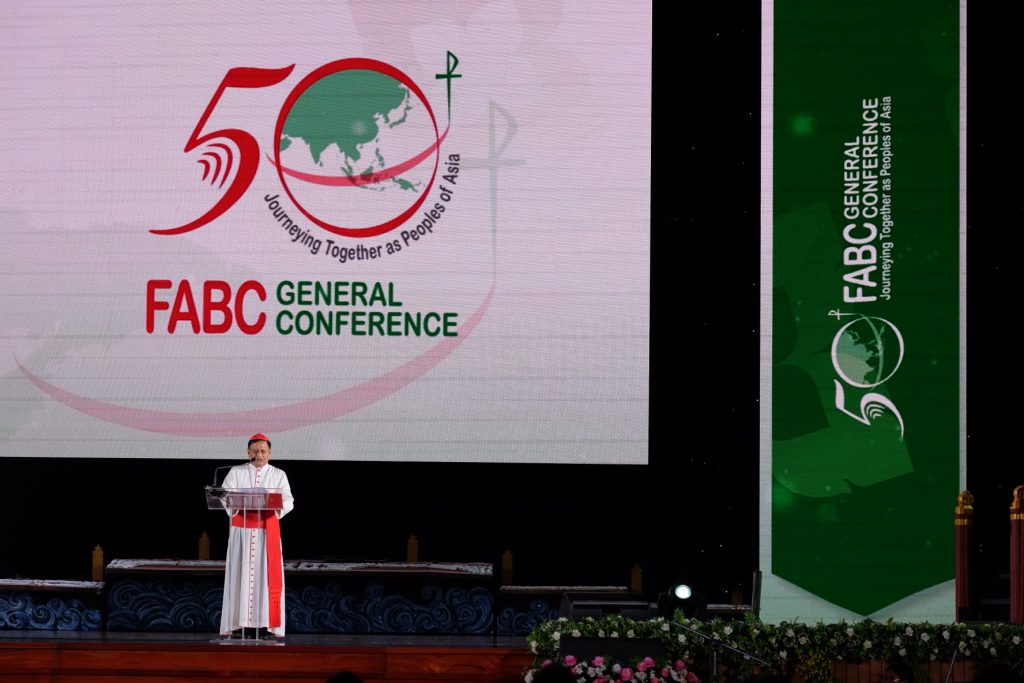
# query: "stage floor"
104,657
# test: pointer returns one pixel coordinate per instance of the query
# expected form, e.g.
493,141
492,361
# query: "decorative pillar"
507,572
963,520
97,563
1016,558
412,549
636,579
204,546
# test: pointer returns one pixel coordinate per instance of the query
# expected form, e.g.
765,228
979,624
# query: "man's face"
259,453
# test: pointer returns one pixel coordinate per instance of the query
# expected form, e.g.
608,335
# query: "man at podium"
254,569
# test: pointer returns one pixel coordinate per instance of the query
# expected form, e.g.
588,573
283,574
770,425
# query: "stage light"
682,596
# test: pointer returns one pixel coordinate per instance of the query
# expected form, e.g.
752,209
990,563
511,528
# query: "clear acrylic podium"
242,501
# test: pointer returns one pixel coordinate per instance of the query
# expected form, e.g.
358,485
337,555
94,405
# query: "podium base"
251,635
249,642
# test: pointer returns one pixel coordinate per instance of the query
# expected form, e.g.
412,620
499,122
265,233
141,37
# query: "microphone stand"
714,645
215,490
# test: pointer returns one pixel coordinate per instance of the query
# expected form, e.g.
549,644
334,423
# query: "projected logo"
357,151
357,147
360,126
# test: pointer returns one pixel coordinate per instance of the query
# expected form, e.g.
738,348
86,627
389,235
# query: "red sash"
267,519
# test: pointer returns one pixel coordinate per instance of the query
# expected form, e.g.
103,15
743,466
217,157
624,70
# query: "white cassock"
246,587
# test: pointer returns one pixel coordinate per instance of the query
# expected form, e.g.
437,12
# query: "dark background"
691,514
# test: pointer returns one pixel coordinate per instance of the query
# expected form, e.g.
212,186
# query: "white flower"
789,632
925,637
897,641
782,654
1016,640
910,630
600,633
616,668
529,677
849,630
970,633
803,640
563,618
556,636
614,634
533,646
867,644
992,650
727,630
903,652
665,626
630,634
945,634
682,638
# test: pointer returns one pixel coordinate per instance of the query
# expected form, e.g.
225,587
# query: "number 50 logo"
867,352
337,88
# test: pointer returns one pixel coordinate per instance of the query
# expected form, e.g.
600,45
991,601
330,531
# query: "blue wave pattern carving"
18,610
512,621
328,609
163,606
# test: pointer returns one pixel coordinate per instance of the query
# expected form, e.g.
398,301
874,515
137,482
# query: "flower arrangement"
789,645
606,670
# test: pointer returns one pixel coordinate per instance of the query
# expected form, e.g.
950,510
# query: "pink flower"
642,666
570,661
626,674
597,661
680,666
648,661
546,663
665,672
692,677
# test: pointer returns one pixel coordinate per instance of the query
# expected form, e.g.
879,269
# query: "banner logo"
866,353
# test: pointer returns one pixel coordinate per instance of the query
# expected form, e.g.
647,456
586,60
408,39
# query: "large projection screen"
395,231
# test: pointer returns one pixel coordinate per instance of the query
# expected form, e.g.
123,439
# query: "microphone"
226,467
218,491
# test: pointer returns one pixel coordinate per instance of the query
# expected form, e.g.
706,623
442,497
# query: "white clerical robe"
246,590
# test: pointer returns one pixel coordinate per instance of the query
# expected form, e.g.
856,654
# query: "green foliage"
815,668
789,645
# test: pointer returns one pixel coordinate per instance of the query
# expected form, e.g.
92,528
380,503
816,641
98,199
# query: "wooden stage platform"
34,657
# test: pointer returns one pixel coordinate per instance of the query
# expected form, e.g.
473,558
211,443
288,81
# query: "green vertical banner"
863,410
